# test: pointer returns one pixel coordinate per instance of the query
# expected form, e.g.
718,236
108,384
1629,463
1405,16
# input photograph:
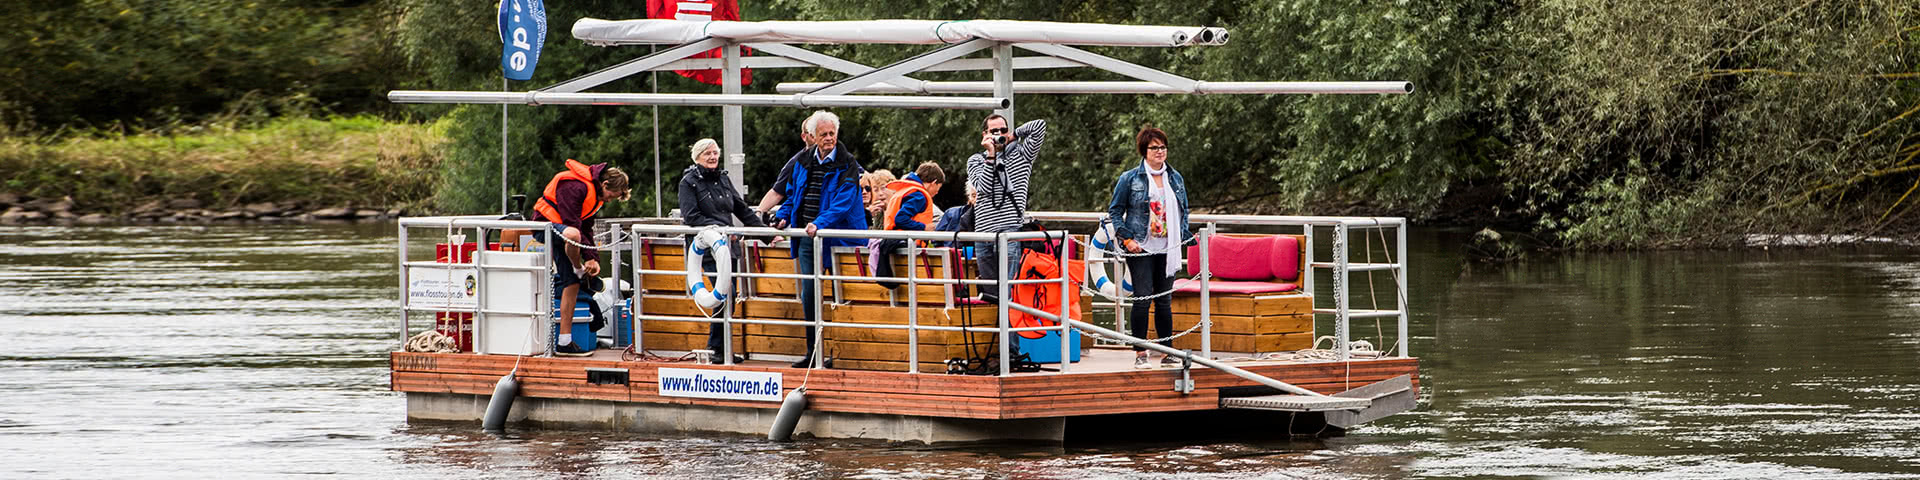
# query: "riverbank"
289,169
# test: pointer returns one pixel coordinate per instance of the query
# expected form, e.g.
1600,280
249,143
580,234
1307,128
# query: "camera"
1000,140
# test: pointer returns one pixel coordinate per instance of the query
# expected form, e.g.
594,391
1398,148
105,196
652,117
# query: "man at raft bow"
569,204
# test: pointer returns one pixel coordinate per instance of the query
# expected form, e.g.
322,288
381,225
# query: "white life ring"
722,258
1097,270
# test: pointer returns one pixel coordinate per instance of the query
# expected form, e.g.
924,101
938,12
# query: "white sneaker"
1140,362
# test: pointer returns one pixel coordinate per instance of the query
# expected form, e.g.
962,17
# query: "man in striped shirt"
999,174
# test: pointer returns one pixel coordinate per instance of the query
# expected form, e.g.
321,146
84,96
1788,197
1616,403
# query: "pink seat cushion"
1193,286
1284,260
1235,258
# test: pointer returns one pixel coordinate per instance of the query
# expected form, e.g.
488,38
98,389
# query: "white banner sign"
721,384
433,287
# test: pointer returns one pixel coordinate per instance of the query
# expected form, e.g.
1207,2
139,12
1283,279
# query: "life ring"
722,258
1097,269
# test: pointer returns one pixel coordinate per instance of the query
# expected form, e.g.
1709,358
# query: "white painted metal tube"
1219,88
1199,359
690,99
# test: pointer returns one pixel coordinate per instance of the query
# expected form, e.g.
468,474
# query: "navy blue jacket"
840,203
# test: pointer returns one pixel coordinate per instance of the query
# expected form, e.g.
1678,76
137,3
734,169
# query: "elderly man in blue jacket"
820,188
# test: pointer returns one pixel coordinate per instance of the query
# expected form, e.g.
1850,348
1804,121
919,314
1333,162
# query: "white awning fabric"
918,32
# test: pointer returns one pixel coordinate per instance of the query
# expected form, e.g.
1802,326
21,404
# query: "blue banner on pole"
523,28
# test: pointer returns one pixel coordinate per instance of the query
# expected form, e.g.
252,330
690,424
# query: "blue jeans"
805,259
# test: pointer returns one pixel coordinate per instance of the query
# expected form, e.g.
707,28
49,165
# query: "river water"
260,351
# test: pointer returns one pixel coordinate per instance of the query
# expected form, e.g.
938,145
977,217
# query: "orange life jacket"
575,171
899,190
1044,297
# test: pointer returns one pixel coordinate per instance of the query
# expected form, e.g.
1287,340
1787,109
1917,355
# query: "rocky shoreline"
18,210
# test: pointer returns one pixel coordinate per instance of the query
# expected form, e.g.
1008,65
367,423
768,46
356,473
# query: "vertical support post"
1003,79
913,304
1066,286
1401,279
503,150
1307,274
480,303
554,240
819,334
726,305
638,301
1206,293
403,287
730,85
653,84
1000,259
1340,290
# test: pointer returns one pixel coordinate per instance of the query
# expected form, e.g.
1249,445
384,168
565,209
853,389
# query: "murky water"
252,351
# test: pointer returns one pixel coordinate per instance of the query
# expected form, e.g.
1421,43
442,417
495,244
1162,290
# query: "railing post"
1206,293
1066,273
1340,302
479,278
1402,279
1000,258
404,298
819,332
913,303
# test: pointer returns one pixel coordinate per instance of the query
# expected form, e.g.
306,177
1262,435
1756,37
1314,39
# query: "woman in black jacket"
707,198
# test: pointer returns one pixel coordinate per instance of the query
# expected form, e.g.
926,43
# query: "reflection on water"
260,351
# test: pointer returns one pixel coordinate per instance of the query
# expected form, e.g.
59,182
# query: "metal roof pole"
1003,79
634,66
730,118
832,63
904,67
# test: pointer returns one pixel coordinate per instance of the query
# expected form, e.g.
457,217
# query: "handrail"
1340,267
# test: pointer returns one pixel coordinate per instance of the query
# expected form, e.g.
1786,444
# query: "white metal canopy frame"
1053,42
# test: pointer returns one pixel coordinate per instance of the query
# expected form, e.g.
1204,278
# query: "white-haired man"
819,189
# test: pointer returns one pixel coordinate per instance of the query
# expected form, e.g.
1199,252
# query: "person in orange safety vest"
569,204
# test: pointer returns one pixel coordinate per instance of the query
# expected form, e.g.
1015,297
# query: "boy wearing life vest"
909,206
569,204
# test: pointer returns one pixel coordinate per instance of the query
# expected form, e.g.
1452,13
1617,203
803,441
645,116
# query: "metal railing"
1002,285
480,226
1340,268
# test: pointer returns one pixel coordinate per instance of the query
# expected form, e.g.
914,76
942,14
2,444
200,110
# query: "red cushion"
1235,258
1284,260
1193,286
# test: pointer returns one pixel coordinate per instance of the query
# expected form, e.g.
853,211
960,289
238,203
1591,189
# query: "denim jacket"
1128,210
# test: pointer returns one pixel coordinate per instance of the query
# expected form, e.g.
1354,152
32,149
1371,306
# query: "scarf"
1170,208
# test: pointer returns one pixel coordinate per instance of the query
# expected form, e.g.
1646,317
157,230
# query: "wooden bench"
1256,300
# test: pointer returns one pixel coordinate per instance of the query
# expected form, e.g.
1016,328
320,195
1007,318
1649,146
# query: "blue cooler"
1047,349
583,334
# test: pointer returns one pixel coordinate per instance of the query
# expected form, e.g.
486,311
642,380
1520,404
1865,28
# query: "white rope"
431,341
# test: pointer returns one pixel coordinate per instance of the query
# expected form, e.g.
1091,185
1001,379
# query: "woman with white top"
1149,213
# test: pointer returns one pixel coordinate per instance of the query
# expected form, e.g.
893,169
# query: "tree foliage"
155,63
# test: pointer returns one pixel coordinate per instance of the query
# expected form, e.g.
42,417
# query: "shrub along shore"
289,169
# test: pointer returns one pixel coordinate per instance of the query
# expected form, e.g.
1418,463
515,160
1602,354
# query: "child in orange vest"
909,207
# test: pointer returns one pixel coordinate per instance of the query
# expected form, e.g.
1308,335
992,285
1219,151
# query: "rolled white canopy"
920,32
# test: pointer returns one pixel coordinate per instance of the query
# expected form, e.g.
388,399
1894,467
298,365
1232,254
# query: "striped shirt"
1002,183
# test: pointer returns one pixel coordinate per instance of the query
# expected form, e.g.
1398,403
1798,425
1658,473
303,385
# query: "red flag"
701,11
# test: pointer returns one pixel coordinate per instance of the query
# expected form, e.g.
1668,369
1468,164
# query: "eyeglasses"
1157,147
998,131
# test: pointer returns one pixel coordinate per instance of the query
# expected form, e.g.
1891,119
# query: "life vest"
1045,297
897,191
575,171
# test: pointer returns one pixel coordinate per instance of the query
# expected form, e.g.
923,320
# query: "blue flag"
523,28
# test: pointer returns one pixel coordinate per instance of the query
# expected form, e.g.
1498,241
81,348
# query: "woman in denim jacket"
1147,201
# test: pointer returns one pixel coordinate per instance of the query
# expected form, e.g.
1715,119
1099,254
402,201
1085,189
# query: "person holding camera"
999,175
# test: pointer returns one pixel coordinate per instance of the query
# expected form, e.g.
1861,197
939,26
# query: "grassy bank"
350,161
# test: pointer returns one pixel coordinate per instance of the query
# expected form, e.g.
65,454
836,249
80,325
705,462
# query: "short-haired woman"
1149,215
707,198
